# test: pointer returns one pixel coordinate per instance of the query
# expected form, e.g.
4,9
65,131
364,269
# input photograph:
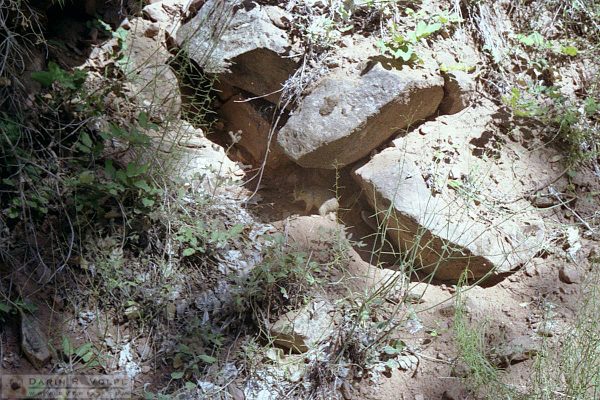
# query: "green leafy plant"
279,281
536,40
86,353
68,80
401,42
198,238
573,121
189,361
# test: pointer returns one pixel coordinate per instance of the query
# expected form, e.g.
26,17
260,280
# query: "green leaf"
85,139
143,119
121,176
83,350
87,357
188,252
591,106
121,34
67,347
5,308
177,374
405,55
534,39
190,385
424,30
43,77
47,78
86,177
142,184
147,202
569,50
109,168
391,350
185,349
132,170
207,359
453,183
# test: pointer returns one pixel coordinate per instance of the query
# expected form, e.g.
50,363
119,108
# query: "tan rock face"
346,117
151,82
459,92
192,157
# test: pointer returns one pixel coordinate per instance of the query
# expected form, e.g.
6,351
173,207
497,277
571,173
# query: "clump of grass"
571,369
481,374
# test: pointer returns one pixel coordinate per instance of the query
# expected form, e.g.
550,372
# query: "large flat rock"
347,116
450,222
241,45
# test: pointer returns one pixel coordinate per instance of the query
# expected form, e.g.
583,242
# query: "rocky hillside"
267,199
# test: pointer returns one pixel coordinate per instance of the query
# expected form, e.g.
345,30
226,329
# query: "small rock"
414,298
419,397
170,311
295,372
448,309
346,390
298,330
461,370
543,201
531,269
454,393
235,392
279,17
133,312
125,24
516,350
143,350
546,328
34,343
264,394
110,342
568,274
408,362
556,158
152,30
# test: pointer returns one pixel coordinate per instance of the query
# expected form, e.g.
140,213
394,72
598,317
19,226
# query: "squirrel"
318,197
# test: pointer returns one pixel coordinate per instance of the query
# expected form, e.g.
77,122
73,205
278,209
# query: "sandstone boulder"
445,236
241,44
345,117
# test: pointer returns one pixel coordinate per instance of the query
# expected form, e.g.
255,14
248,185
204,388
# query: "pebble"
568,274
